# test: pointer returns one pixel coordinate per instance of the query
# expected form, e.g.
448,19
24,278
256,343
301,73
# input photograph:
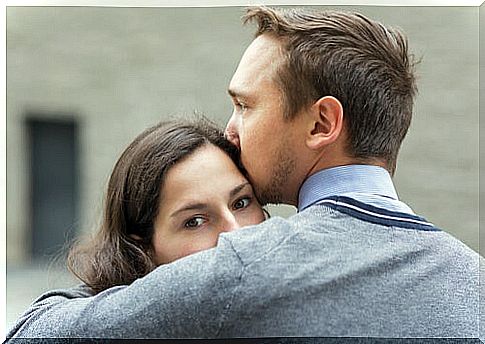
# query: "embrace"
322,102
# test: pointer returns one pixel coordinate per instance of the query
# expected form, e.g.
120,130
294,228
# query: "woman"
174,189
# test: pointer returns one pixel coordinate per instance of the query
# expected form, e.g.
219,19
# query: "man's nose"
231,132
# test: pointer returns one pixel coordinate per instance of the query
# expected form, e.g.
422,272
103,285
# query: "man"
322,102
337,86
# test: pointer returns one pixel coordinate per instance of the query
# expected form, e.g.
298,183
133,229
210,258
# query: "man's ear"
327,116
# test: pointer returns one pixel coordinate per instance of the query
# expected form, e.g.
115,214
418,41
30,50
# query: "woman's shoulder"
45,302
75,292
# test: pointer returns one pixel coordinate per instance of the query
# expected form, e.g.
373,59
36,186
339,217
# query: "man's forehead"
258,64
263,50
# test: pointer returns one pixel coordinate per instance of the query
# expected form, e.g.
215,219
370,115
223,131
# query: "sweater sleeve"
185,299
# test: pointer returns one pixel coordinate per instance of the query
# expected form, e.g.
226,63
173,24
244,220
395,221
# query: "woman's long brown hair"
120,251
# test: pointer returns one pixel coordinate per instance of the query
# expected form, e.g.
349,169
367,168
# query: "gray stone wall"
119,70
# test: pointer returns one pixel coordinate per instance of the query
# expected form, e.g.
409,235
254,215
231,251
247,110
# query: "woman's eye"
242,203
194,222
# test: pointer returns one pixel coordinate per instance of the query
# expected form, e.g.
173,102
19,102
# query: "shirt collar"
342,180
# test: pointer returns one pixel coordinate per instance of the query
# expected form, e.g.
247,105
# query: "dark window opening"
54,185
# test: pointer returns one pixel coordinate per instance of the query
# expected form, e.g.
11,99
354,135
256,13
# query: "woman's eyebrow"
203,206
238,189
189,206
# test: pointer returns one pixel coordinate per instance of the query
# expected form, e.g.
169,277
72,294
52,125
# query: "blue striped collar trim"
376,215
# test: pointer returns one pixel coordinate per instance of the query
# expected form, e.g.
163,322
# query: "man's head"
316,90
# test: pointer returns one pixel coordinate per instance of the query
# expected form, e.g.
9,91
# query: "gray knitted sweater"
330,270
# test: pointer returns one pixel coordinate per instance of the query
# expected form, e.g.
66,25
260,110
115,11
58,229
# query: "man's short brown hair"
363,64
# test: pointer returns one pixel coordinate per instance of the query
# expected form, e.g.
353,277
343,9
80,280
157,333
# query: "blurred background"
82,82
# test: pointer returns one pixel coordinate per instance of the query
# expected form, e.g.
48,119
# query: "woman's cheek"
197,244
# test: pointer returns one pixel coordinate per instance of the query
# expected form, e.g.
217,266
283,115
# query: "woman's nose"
229,222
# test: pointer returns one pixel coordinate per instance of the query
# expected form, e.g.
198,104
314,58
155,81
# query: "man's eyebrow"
238,189
231,92
236,93
189,206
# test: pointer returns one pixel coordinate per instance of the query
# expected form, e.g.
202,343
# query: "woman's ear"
326,122
267,215
135,237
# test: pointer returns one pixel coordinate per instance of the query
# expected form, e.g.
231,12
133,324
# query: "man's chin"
266,197
260,194
266,194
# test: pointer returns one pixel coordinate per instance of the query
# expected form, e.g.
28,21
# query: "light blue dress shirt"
368,184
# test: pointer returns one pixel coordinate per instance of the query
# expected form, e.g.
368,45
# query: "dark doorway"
54,184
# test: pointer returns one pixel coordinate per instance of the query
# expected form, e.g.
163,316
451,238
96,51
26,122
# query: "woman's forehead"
208,172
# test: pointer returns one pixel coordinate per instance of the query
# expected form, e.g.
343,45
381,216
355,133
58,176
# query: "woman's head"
203,195
171,193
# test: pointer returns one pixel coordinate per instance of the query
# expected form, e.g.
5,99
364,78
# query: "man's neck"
366,183
344,161
324,164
